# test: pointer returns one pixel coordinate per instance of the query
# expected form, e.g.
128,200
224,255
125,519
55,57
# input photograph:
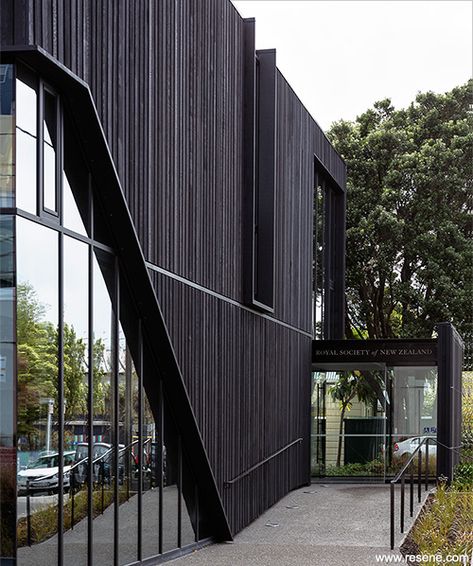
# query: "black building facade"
172,233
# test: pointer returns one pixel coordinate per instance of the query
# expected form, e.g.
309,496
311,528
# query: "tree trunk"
340,438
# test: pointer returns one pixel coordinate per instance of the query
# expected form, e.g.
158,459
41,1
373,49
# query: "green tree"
409,253
38,367
351,385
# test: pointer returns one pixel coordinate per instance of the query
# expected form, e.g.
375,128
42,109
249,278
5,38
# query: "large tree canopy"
409,256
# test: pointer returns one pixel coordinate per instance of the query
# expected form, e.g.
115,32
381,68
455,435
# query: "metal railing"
421,480
228,483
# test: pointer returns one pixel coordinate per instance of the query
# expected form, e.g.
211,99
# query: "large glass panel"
349,422
37,410
7,131
151,480
25,171
49,152
128,470
76,320
413,416
170,491
7,388
103,393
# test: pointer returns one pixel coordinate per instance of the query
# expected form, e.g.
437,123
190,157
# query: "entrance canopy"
420,381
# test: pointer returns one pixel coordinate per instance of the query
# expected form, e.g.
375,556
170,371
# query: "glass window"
318,262
25,107
151,481
49,152
6,136
25,172
128,462
103,393
37,394
414,413
76,333
7,388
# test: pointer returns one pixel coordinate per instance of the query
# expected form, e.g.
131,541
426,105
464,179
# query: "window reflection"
49,151
76,297
6,136
37,460
102,438
128,460
25,171
7,388
151,479
25,107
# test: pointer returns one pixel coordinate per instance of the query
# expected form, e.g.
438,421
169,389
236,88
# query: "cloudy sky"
341,56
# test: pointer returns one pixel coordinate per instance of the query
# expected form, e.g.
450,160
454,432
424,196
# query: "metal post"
402,502
411,498
392,516
427,465
28,513
419,475
71,489
102,479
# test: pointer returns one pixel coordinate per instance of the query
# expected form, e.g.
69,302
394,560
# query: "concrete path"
320,525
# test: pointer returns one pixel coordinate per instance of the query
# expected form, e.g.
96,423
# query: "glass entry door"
349,421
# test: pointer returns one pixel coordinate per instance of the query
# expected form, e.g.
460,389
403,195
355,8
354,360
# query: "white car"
42,474
405,448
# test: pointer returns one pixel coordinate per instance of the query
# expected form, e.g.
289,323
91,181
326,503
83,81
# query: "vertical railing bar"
392,516
60,542
419,475
402,502
90,397
161,466
28,512
427,465
71,490
411,498
140,441
116,407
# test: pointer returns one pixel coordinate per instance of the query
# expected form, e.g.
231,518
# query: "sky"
342,56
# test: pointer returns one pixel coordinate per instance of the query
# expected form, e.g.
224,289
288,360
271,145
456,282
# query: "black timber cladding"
168,81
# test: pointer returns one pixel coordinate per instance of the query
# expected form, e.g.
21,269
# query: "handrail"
228,483
417,453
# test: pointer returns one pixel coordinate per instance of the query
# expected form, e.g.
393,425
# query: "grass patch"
447,526
44,521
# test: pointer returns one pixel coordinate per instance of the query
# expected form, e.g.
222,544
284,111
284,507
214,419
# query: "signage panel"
392,352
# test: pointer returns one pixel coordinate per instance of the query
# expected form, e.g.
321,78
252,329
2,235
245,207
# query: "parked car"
405,448
42,474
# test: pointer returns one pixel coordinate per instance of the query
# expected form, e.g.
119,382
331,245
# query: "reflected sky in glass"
76,286
37,263
25,107
25,172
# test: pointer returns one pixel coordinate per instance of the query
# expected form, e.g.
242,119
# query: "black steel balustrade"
401,477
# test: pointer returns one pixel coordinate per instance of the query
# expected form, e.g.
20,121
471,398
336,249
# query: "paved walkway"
320,525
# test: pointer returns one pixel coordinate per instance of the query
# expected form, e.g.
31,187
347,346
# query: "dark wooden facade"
168,81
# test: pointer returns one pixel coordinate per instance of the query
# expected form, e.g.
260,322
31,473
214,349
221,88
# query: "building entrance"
367,419
374,401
